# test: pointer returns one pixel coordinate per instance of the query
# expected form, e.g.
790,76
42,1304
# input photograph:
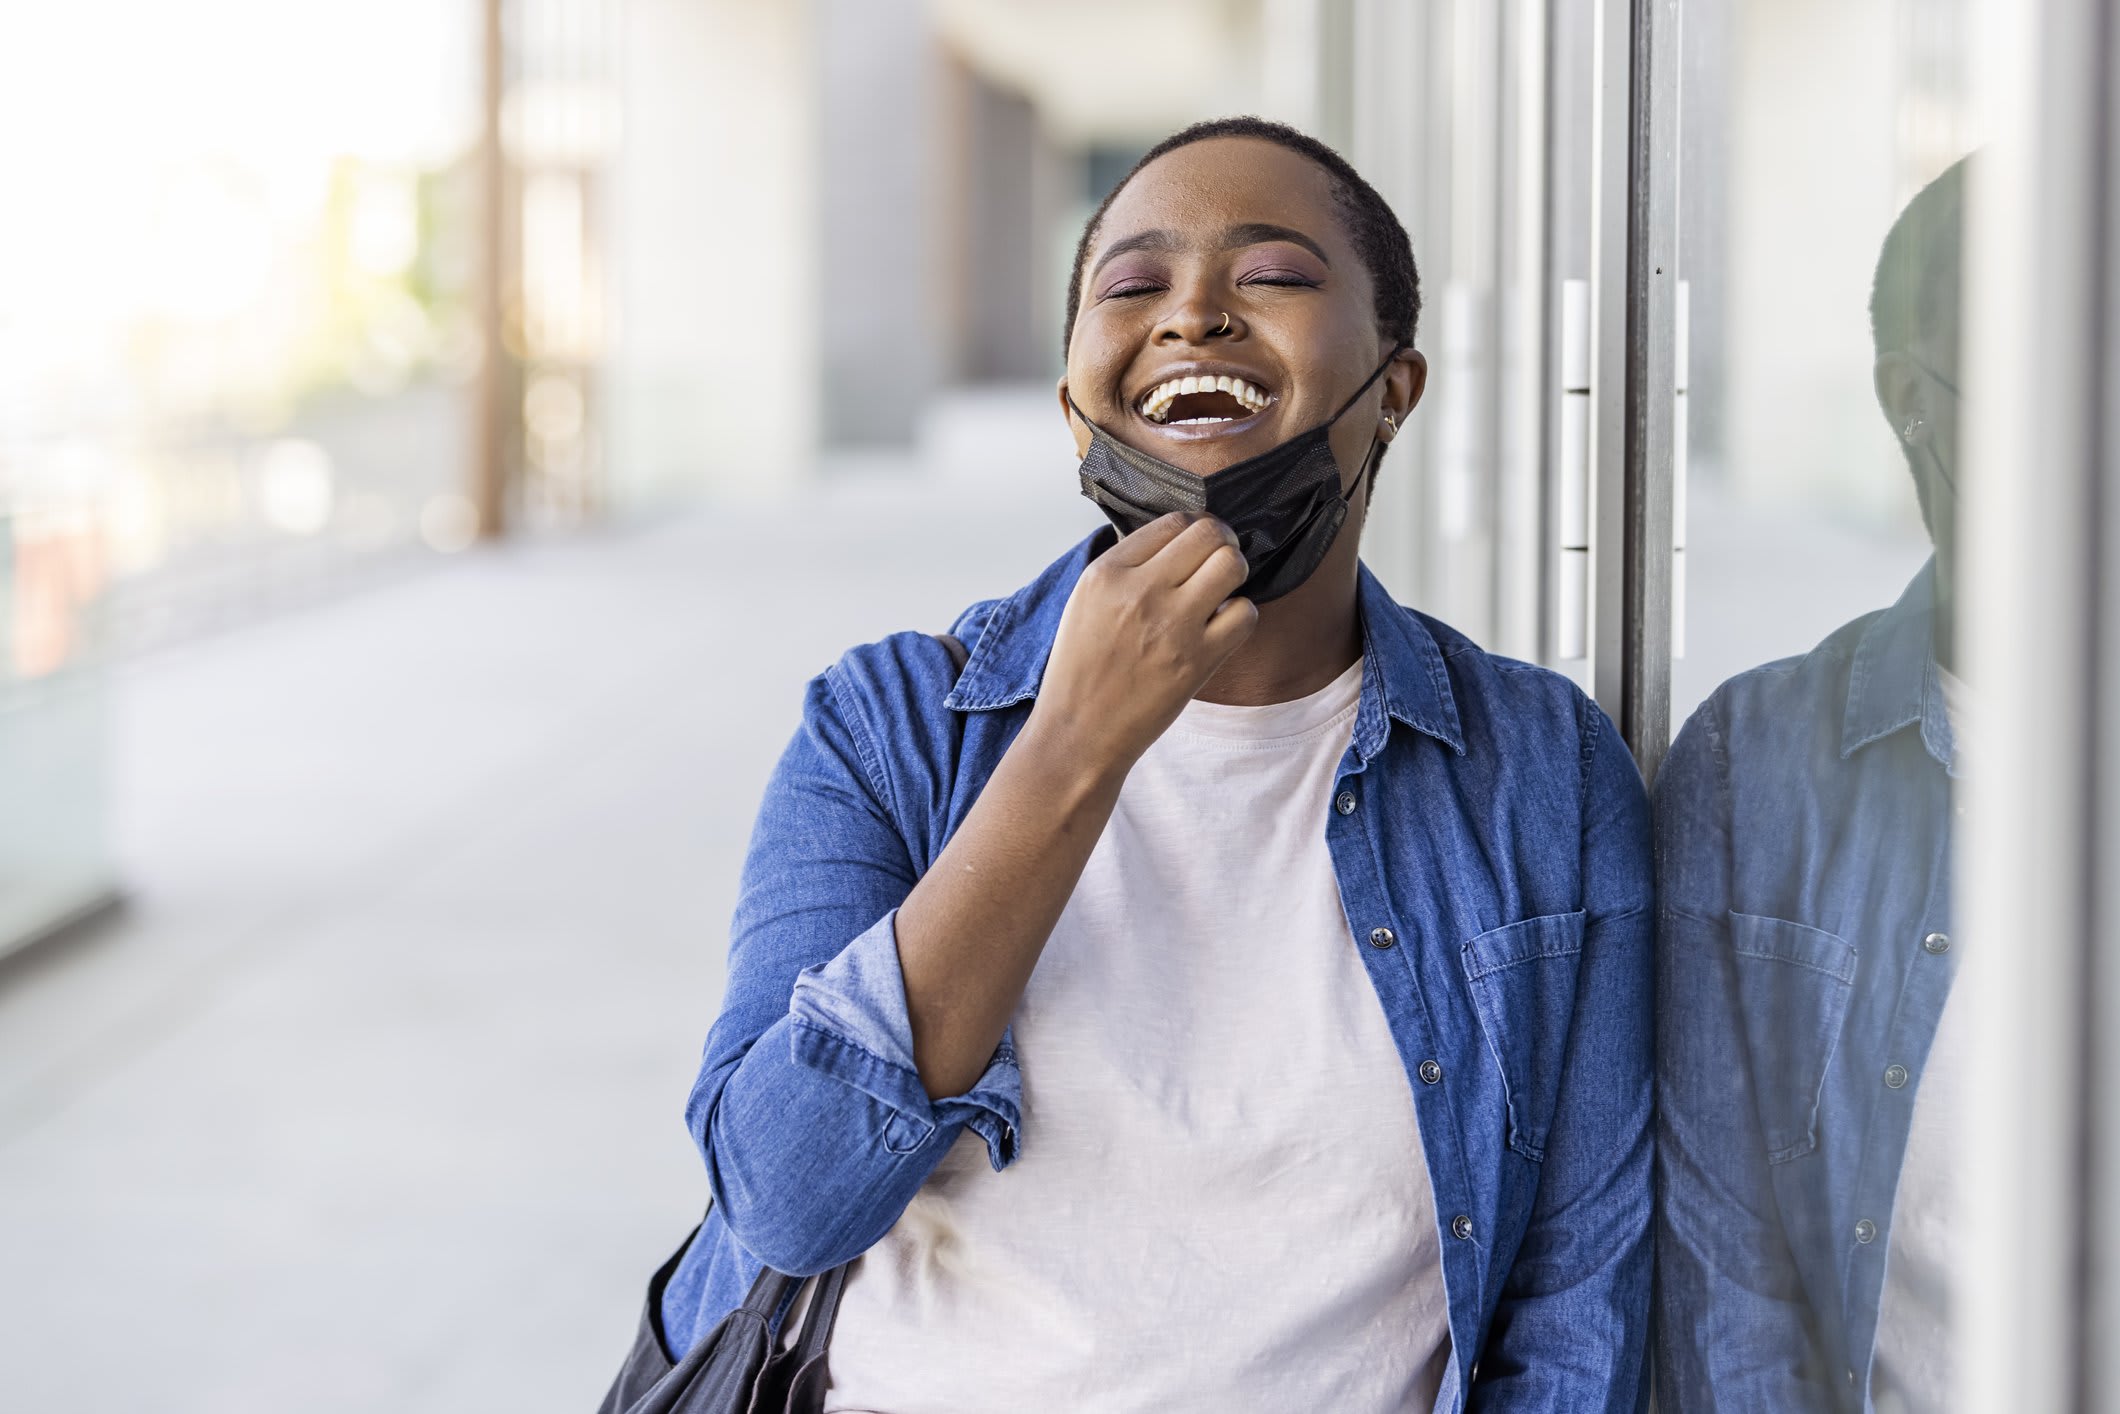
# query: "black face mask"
1285,504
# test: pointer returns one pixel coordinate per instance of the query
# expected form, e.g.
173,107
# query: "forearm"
815,1146
971,931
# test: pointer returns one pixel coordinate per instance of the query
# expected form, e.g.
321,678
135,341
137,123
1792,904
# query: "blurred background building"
267,337
560,331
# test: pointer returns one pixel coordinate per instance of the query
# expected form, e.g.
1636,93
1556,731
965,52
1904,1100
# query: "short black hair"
1915,290
1373,228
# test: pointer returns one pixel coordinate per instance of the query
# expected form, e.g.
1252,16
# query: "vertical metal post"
1633,367
1611,133
1651,449
2096,1275
490,435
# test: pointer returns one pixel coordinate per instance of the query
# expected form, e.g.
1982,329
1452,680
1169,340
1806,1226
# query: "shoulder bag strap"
954,646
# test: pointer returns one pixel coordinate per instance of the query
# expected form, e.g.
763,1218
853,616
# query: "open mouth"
1202,401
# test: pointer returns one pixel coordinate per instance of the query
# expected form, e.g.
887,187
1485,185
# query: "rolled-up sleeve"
808,1109
849,1021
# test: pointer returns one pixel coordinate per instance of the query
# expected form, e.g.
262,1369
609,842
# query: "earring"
1392,423
1912,430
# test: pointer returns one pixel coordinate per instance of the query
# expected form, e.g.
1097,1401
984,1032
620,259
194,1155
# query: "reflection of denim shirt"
1803,835
1490,835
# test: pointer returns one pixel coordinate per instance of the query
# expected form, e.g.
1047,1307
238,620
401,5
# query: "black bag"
736,1369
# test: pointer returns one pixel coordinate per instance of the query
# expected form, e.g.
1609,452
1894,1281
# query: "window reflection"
1810,1054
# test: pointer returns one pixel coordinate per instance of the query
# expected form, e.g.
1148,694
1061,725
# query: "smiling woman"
1223,988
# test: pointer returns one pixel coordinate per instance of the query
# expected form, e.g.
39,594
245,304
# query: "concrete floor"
372,1098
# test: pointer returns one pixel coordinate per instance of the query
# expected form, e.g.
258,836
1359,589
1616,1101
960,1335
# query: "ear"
1903,394
1075,425
1404,382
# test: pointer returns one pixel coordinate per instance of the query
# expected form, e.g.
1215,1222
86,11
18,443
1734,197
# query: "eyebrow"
1233,238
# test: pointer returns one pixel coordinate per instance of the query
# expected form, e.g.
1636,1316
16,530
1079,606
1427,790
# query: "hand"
1149,622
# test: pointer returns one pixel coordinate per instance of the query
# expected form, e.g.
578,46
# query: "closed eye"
1127,289
1284,278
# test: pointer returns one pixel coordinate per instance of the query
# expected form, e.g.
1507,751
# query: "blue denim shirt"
1803,825
1491,840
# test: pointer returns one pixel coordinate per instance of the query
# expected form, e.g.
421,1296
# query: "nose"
1198,319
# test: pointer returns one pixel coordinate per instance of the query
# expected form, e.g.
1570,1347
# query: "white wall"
711,386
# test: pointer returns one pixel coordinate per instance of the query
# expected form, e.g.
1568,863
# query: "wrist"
1076,763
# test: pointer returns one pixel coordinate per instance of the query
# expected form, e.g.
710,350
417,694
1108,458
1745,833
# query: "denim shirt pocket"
1522,978
1793,985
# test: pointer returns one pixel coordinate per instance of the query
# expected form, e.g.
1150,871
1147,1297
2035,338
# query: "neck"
1304,640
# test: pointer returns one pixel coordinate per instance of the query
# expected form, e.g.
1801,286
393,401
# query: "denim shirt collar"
1403,676
1893,681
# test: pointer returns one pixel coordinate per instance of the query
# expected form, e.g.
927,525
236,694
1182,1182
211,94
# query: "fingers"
1220,575
1205,566
1194,549
1144,544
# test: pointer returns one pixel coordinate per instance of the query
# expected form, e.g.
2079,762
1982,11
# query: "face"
1226,263
1918,388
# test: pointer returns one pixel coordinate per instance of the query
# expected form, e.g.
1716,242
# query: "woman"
1231,991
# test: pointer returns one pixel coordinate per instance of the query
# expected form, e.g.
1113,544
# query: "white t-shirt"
1915,1370
1220,1201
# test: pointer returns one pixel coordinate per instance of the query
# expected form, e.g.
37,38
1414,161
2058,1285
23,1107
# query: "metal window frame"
1650,486
1634,368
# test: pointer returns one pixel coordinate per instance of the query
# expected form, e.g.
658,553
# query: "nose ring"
1225,325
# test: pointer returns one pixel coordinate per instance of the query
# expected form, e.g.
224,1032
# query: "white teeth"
1158,400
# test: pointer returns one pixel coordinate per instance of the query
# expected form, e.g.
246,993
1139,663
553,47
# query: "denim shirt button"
1865,1232
1461,1227
1431,1072
1895,1077
1936,944
1346,803
1382,937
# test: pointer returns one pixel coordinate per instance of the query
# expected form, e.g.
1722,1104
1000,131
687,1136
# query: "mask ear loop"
1076,408
1372,464
1368,383
1375,459
1949,387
